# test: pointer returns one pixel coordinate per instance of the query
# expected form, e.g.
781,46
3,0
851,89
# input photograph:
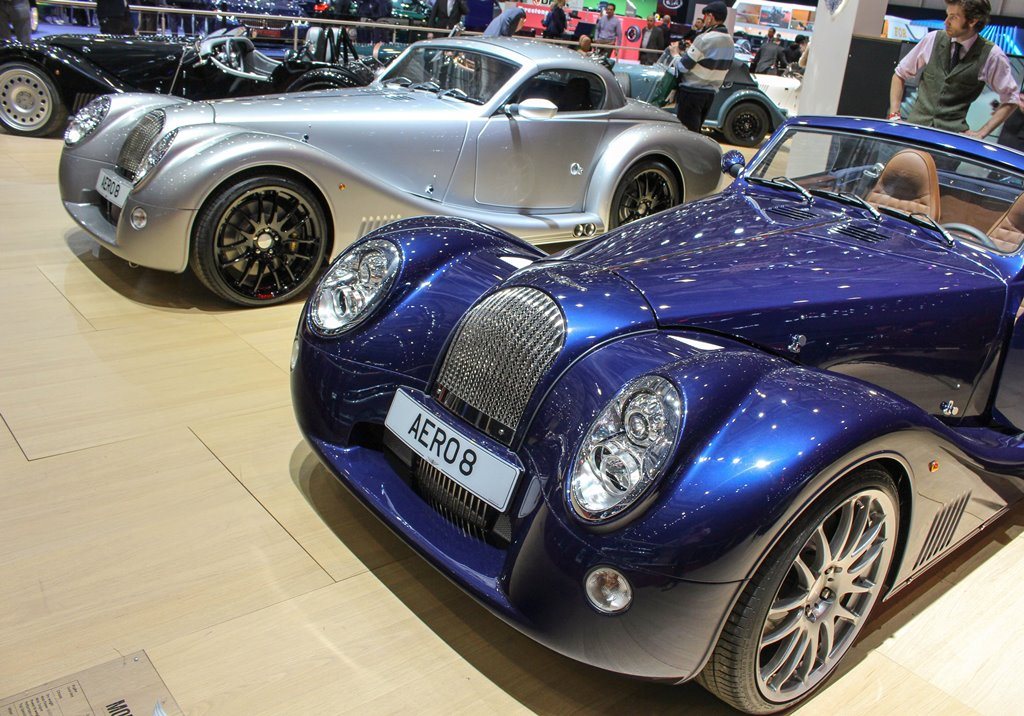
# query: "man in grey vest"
954,66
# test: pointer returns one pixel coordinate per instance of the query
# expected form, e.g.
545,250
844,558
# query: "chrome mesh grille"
503,347
459,506
136,146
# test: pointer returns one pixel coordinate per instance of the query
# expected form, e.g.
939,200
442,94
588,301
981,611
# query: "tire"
763,661
260,241
746,124
647,188
30,105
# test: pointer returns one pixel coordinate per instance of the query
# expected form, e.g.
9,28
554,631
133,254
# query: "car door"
543,163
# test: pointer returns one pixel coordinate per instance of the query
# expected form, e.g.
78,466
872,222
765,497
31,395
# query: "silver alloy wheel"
26,102
826,595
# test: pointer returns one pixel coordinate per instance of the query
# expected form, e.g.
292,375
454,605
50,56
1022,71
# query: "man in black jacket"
652,38
114,17
16,16
447,13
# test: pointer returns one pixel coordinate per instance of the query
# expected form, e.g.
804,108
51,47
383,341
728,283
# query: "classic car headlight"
626,448
354,285
85,122
156,154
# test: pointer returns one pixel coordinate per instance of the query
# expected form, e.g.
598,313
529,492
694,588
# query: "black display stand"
869,70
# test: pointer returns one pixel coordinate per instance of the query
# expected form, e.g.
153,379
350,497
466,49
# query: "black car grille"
503,347
136,146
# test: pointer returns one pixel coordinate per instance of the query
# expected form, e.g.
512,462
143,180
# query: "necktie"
955,59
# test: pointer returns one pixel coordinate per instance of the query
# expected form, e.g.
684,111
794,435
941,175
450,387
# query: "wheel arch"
257,170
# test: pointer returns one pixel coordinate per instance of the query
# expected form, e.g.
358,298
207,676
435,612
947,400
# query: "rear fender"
750,95
695,160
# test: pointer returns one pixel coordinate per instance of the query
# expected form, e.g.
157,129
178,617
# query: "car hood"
361,125
825,285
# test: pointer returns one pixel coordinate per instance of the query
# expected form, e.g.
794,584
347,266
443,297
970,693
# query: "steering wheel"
982,238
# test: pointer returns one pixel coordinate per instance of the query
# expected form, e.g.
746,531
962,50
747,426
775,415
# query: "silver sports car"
254,194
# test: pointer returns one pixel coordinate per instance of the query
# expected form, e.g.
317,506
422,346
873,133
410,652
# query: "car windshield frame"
482,76
958,173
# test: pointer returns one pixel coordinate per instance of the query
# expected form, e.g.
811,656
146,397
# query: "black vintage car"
41,83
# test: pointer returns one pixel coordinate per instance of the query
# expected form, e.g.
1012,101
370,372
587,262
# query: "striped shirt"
707,61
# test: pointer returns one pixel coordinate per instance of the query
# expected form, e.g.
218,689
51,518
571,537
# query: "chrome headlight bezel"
353,287
86,120
626,449
156,154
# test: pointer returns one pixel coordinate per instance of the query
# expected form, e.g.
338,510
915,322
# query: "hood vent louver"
852,231
790,211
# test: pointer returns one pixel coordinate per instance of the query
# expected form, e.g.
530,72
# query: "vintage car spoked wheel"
823,583
746,124
261,241
29,102
647,188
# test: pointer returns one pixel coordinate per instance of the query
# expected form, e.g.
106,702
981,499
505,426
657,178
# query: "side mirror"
533,108
733,162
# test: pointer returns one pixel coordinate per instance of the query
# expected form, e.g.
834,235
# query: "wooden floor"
155,494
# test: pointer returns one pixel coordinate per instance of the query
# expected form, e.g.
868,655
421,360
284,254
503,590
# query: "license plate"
113,188
476,468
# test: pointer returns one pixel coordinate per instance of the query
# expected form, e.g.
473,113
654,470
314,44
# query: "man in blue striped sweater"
702,69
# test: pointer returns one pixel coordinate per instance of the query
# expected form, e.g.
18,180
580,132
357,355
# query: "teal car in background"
742,112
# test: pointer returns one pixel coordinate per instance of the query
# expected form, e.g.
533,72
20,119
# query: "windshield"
478,75
967,196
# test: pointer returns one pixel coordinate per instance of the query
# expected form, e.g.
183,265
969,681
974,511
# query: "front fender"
446,265
70,72
696,158
762,437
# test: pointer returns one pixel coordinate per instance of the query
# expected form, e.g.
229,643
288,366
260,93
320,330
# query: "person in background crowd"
447,13
796,49
586,46
652,38
954,66
148,20
608,30
770,58
555,21
16,20
695,29
114,17
506,24
702,69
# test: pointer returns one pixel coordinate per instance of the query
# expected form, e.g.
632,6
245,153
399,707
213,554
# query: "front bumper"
162,244
536,584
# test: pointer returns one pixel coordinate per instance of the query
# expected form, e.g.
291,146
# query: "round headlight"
353,286
626,449
156,154
85,122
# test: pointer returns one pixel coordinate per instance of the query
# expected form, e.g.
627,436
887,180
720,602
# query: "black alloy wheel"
801,612
746,124
647,188
30,105
261,241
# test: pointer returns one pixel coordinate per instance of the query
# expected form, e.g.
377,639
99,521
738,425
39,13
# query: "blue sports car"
706,444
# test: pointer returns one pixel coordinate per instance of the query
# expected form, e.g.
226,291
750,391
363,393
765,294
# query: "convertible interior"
234,53
982,203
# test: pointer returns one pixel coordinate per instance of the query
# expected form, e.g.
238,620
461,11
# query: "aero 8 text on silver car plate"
112,187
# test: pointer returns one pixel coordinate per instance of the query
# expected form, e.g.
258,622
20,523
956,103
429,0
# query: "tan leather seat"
1008,232
909,183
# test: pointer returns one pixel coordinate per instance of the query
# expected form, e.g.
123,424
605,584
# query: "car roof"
541,55
913,134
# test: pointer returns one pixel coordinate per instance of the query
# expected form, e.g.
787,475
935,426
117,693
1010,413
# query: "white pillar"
830,48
